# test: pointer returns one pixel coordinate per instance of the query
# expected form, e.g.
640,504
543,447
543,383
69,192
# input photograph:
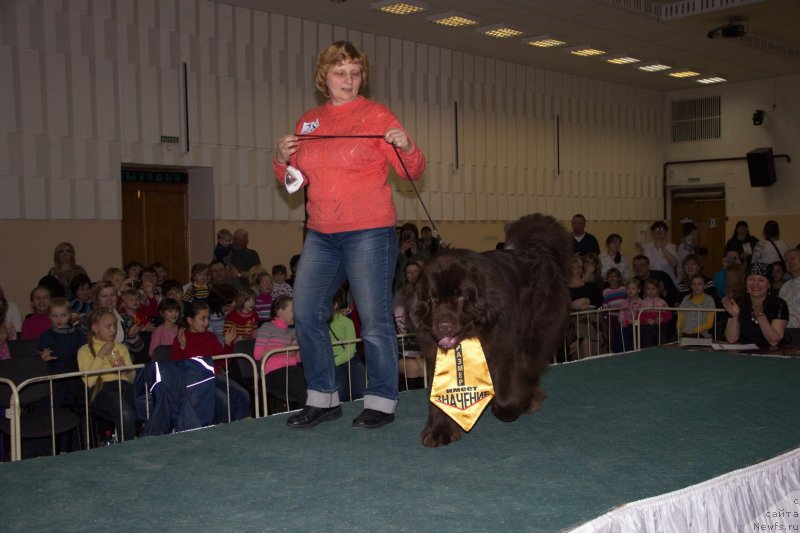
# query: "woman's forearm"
770,331
732,329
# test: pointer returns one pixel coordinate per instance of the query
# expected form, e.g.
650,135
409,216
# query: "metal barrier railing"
403,341
666,332
600,331
12,414
14,411
591,333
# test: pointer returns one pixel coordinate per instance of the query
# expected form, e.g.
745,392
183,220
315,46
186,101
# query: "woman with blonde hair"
64,266
341,151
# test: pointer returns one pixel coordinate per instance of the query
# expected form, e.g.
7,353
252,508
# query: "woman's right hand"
730,305
287,146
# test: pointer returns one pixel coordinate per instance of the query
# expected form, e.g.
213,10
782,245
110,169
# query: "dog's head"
448,301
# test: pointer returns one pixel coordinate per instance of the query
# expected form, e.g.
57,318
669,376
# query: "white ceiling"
607,24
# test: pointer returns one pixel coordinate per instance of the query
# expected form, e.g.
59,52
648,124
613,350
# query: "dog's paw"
538,399
440,436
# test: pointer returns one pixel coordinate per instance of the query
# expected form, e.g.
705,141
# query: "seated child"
279,285
695,323
223,247
263,282
59,347
243,318
622,340
133,271
654,323
172,288
161,272
221,300
615,294
134,322
197,291
80,299
39,321
117,277
149,295
195,340
101,352
284,379
170,311
350,377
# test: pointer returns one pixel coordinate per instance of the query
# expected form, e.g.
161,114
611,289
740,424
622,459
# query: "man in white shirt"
790,292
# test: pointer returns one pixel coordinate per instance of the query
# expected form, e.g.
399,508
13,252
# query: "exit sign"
170,139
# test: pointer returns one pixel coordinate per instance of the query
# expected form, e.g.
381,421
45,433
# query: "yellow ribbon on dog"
462,386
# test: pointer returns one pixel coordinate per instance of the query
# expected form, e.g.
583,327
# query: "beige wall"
91,86
28,251
737,137
78,103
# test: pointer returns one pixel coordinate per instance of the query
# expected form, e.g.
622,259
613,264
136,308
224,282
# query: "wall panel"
250,78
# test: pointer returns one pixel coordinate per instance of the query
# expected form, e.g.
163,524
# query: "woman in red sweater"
342,150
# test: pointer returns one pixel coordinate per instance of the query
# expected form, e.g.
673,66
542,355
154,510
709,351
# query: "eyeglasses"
65,251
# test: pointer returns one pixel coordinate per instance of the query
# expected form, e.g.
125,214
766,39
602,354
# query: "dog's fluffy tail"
541,233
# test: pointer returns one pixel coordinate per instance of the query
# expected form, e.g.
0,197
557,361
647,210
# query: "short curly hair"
334,54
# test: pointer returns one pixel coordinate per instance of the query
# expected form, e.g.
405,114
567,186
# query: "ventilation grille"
696,120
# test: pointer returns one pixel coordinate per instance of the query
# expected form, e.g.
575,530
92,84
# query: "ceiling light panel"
653,66
584,51
454,19
683,73
544,41
500,31
708,79
622,59
399,7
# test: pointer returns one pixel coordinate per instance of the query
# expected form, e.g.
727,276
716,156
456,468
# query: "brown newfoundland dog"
515,301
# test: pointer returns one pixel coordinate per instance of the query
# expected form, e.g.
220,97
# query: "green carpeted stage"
613,430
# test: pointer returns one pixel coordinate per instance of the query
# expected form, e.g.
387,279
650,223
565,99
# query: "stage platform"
613,430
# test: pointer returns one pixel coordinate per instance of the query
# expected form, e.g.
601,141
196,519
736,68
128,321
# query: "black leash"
311,137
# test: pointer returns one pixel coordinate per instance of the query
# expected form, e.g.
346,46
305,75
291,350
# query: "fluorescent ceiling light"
500,31
708,79
621,59
683,73
585,50
544,41
399,7
454,19
653,66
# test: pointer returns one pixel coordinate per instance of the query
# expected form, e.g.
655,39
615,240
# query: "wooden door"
709,216
154,226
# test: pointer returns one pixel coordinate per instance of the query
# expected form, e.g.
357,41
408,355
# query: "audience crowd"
124,317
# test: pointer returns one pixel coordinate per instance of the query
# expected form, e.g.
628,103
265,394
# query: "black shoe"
372,419
311,416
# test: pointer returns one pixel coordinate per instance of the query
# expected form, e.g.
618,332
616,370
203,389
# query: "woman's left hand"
398,138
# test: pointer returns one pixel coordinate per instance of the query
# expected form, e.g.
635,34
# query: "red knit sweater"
200,344
346,178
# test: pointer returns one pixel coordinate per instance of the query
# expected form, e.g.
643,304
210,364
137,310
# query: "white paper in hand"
293,179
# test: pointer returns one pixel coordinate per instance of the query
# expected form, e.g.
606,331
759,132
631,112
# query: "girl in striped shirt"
243,317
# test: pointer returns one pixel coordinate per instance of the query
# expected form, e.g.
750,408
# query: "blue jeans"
366,258
350,378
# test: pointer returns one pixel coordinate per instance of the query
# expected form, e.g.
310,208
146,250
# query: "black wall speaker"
761,166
